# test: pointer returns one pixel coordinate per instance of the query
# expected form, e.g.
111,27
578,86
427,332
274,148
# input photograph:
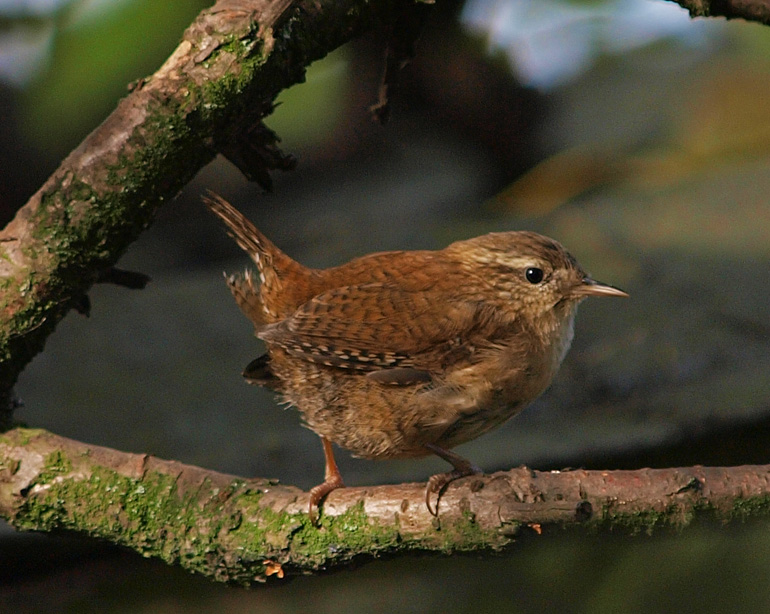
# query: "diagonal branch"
209,96
237,530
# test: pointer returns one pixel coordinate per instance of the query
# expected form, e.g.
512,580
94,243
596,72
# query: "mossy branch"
208,97
242,531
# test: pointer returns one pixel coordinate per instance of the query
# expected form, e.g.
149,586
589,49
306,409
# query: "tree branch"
209,96
751,10
237,530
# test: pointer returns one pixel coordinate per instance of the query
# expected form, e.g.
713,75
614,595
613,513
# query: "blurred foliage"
95,55
93,59
307,113
705,119
553,42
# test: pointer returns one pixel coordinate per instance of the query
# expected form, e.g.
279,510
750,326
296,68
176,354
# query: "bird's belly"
373,420
482,396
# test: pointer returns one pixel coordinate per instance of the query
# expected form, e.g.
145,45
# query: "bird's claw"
318,493
437,483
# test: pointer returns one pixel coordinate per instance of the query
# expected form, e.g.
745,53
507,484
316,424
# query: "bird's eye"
534,275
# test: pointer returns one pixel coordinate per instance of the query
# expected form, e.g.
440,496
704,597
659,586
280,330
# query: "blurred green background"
637,137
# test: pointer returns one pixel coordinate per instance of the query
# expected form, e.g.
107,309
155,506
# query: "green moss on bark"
642,521
750,507
140,514
96,205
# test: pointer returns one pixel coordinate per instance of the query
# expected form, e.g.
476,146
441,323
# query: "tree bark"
242,531
750,10
208,97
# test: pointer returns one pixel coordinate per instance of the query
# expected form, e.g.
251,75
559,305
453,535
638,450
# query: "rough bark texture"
242,531
209,96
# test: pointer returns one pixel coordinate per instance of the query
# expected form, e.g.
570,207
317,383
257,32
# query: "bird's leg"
436,483
332,480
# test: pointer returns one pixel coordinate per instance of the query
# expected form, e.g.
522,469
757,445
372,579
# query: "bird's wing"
380,327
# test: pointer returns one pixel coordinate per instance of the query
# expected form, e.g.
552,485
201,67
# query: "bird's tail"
262,250
272,301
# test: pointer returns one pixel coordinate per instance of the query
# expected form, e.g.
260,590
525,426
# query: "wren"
409,353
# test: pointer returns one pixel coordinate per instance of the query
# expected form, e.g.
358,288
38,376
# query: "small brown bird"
409,353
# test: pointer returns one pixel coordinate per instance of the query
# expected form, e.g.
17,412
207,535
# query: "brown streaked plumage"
409,353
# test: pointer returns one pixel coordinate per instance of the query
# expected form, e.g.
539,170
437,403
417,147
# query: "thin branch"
750,10
238,530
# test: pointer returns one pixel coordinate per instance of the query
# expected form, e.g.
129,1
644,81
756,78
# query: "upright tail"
273,301
262,250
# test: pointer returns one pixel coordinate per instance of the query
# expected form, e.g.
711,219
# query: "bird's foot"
437,483
318,493
332,481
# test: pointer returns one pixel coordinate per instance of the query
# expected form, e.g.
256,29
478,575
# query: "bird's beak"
589,287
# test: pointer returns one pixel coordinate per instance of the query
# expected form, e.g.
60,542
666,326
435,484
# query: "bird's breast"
501,381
